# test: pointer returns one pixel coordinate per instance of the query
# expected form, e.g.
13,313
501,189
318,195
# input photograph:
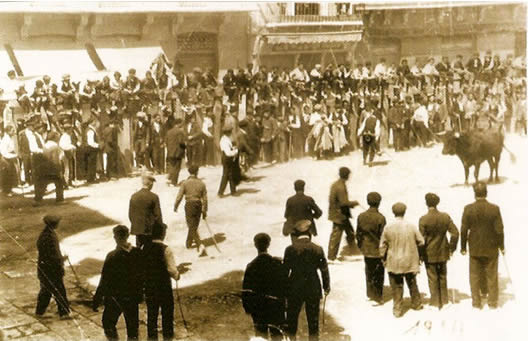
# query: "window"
343,8
306,8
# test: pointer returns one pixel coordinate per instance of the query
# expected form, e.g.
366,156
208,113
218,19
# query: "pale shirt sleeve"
33,146
377,130
90,139
65,142
227,147
362,127
296,123
7,147
171,264
205,127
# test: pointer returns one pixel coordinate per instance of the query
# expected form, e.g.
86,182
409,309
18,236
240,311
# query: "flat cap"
432,199
120,230
51,219
303,225
373,198
399,208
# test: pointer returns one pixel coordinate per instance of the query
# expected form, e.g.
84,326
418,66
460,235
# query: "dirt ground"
210,286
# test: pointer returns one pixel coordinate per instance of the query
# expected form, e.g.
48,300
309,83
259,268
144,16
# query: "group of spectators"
277,114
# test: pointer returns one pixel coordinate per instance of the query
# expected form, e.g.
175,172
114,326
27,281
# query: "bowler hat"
303,225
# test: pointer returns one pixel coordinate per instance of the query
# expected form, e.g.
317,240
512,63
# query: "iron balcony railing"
307,18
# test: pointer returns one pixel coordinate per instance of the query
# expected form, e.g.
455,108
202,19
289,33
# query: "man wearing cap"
160,267
50,269
120,287
434,227
195,193
339,213
302,260
144,211
175,150
229,162
370,225
399,245
141,138
263,290
483,229
298,207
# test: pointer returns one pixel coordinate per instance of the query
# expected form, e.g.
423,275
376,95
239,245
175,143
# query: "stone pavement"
17,310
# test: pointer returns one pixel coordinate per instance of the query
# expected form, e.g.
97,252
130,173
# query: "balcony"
311,14
308,18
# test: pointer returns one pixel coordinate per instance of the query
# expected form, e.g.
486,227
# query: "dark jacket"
434,227
120,278
110,139
263,288
339,205
50,261
482,221
369,228
175,143
302,260
144,210
157,278
300,207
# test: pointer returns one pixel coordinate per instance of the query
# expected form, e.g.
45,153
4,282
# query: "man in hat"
111,150
160,267
434,227
144,211
67,144
175,150
399,245
120,286
263,290
396,124
50,169
193,132
229,162
369,132
302,260
195,193
300,207
50,269
157,145
90,148
339,213
141,140
483,230
370,225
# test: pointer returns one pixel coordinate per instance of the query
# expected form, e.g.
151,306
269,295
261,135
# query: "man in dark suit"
144,211
175,150
50,269
437,249
263,290
482,228
111,150
120,286
299,207
370,226
339,213
157,145
302,260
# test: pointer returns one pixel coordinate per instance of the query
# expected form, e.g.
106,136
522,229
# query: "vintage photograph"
258,170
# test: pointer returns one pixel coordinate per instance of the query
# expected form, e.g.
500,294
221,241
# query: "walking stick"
212,235
180,306
508,271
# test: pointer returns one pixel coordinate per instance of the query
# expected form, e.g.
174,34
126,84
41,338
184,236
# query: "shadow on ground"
23,223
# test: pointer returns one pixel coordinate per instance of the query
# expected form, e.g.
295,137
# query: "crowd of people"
265,115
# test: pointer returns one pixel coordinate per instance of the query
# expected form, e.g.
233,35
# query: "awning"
53,62
123,59
299,38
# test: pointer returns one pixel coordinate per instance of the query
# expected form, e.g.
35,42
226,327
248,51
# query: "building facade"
81,37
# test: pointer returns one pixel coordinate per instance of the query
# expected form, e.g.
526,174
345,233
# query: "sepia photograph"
263,170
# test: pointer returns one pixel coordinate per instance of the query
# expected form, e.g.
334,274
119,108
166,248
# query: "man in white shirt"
229,163
8,172
369,131
69,148
420,122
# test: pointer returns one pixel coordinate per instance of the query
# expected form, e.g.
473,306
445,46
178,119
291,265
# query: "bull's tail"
513,158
